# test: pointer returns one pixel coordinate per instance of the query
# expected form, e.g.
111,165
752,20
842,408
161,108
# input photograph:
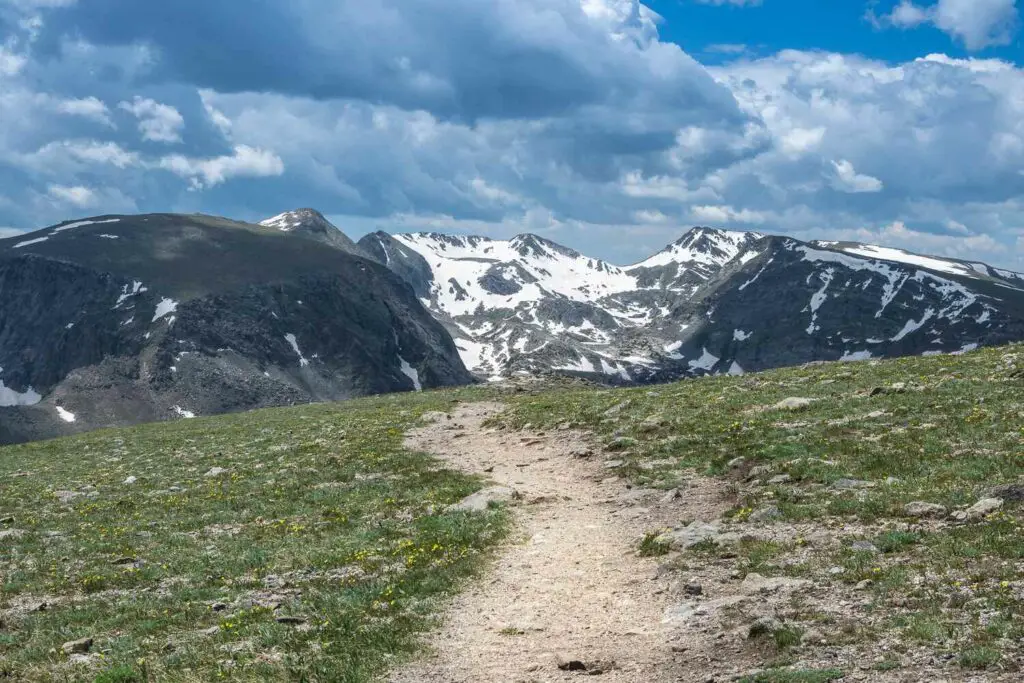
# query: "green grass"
320,515
795,676
954,429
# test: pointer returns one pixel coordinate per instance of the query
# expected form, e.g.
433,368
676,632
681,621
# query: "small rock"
218,606
124,560
812,637
481,500
294,621
836,571
566,663
689,536
984,507
920,508
765,514
1008,493
693,588
614,464
130,480
67,496
621,443
215,472
7,520
212,631
77,647
651,424
11,533
780,479
853,484
759,471
736,463
864,547
865,584
671,496
793,403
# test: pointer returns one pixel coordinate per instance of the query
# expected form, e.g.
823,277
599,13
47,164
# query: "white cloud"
244,162
11,64
848,180
800,140
88,107
724,215
61,156
157,122
976,23
77,195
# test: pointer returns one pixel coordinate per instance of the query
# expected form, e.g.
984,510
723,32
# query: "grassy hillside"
291,544
873,438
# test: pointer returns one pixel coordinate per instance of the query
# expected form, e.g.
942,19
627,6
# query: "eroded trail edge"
569,584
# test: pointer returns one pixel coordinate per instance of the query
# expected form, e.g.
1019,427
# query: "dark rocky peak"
529,245
312,224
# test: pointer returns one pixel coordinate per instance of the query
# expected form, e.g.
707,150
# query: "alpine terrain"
117,320
714,302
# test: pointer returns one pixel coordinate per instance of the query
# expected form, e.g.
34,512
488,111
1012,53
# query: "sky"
611,126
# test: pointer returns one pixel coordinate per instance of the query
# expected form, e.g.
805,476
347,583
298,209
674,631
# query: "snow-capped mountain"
311,224
713,302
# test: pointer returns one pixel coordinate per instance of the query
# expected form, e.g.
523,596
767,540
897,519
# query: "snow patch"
735,370
290,338
740,335
165,307
10,397
129,291
912,326
65,415
705,362
412,373
856,355
187,414
82,224
37,240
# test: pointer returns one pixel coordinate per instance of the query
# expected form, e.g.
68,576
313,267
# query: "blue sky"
608,125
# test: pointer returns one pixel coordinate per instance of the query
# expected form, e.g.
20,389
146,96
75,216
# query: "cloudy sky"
607,125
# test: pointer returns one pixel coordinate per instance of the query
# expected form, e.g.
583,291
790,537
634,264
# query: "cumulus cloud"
976,23
848,180
78,196
87,107
157,122
245,162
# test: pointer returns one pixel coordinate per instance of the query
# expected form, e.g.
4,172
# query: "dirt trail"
569,581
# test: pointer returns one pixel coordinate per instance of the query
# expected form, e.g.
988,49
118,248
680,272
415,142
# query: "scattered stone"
215,472
616,409
864,547
481,500
614,464
865,584
653,423
1008,493
212,631
780,479
124,560
984,507
693,588
11,533
812,637
130,480
218,606
836,571
736,463
846,484
920,508
765,514
77,647
794,403
7,520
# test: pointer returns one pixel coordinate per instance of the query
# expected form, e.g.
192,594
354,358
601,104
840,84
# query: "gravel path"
569,585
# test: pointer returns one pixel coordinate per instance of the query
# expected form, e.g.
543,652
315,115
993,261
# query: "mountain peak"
528,244
312,224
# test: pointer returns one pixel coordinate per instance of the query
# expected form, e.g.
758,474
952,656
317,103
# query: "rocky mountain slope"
713,302
124,319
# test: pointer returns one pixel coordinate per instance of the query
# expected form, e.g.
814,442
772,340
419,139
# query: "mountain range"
115,320
712,302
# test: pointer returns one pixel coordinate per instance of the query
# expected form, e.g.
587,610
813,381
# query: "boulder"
481,500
